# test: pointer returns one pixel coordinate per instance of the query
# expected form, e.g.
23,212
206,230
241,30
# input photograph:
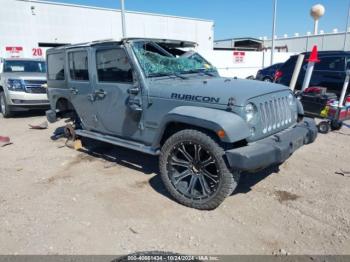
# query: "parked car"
330,72
21,85
142,95
267,74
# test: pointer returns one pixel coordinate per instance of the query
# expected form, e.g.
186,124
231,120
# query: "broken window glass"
156,61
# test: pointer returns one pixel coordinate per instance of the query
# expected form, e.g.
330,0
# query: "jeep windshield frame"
156,60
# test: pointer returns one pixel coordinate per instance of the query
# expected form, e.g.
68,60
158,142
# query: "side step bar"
118,142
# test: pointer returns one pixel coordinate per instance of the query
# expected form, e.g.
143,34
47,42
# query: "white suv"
22,85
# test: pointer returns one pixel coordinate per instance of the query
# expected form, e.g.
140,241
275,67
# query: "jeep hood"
219,89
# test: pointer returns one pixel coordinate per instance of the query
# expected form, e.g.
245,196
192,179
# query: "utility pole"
273,30
346,28
123,17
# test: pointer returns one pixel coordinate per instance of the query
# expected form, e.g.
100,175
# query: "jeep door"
79,84
112,82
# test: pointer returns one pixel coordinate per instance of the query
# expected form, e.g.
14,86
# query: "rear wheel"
267,79
194,171
4,108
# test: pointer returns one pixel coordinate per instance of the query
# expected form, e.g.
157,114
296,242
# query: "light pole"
273,30
123,17
346,28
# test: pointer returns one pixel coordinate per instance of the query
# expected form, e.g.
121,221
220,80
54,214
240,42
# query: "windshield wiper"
168,74
202,71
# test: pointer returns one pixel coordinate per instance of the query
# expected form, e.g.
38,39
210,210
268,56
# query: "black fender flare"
235,128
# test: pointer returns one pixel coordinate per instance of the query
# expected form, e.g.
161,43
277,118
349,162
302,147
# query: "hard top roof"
169,42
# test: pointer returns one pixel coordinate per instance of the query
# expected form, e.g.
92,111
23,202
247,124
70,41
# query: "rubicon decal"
201,99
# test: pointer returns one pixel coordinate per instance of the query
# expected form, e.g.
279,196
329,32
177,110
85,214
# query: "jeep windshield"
26,66
160,60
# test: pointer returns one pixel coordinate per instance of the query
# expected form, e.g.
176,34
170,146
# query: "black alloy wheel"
194,171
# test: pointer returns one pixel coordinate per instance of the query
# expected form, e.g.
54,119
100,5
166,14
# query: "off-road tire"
226,184
5,111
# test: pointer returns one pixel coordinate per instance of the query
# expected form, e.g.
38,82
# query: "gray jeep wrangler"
159,98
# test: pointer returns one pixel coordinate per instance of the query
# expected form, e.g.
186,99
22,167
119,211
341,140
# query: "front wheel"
4,108
194,171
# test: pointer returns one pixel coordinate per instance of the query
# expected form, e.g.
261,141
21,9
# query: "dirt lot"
55,200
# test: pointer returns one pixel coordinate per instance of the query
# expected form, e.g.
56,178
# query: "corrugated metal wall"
325,42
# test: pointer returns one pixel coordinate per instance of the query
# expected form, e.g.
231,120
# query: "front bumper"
22,101
274,149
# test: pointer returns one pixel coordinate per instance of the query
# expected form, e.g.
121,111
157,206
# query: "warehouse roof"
241,39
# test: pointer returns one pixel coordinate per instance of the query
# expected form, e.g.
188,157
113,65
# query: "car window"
56,66
78,65
113,66
274,67
277,66
24,66
155,61
289,65
330,64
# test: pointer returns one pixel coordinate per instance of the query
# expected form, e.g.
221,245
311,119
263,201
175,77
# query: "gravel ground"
109,200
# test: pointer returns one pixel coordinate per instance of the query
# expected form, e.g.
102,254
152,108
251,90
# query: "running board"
118,142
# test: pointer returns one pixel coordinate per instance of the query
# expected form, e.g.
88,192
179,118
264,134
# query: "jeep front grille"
275,114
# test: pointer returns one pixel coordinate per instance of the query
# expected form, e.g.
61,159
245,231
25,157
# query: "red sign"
14,51
238,56
37,52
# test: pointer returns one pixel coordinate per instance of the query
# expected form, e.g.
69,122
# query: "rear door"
80,87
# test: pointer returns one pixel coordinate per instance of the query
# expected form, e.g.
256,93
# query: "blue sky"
238,18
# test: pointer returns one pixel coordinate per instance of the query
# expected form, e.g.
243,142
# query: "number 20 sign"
37,52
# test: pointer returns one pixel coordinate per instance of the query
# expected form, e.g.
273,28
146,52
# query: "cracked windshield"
162,60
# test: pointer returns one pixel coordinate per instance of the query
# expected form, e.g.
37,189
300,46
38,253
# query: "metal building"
29,27
294,44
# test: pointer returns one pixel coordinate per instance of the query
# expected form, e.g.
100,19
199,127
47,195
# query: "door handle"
74,91
100,93
133,90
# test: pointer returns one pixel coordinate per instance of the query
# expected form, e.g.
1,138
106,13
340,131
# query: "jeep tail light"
278,75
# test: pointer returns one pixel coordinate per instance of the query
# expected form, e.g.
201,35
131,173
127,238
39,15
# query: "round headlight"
249,112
